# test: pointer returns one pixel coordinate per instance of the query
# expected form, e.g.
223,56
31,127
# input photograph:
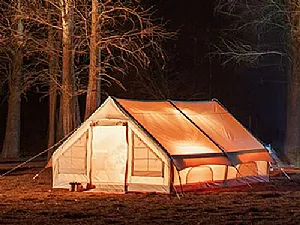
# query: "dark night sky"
258,93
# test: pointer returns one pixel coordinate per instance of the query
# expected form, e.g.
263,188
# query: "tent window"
73,160
199,174
145,161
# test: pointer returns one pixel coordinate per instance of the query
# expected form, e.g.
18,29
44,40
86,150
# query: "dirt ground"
25,200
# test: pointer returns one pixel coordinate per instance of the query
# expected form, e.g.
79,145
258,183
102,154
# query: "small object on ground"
76,186
90,186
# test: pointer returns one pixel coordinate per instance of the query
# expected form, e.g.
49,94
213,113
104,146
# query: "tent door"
109,158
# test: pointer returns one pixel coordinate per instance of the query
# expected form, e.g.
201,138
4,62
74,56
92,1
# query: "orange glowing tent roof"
195,132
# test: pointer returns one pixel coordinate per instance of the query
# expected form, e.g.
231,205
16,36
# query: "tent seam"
202,131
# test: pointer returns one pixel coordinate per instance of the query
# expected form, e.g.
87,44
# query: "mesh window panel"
145,161
73,161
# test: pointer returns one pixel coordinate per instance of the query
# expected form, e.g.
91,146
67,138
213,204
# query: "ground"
32,201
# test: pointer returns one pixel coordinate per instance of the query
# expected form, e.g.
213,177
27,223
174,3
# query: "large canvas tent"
160,146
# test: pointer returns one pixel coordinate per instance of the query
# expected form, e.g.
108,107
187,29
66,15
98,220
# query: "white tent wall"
62,179
71,165
107,115
108,110
147,183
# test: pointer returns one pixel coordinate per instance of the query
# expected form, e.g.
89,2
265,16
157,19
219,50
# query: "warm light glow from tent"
209,123
191,148
185,111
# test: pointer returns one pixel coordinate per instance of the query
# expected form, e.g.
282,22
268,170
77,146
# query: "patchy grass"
33,201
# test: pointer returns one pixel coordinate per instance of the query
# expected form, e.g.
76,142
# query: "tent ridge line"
144,129
202,131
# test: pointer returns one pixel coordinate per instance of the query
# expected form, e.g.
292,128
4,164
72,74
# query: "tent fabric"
182,139
129,145
109,157
220,125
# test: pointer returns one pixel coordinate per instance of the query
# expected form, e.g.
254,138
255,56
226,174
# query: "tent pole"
91,153
226,176
127,161
180,182
172,179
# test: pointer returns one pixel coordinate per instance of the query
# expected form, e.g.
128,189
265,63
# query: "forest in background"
188,54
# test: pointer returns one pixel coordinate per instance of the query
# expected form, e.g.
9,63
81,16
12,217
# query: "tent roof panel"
169,127
220,125
196,128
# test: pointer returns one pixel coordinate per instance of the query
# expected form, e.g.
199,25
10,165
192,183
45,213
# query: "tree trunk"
52,116
292,143
92,98
76,108
53,74
59,125
76,118
11,145
66,102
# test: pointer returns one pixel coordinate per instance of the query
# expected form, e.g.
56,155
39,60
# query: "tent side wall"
204,176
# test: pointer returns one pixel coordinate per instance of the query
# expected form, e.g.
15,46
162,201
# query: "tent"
160,146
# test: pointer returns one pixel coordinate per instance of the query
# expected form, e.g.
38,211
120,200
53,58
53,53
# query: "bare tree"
57,20
117,38
18,52
243,39
14,28
259,18
22,46
53,69
67,105
93,95
82,42
129,40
